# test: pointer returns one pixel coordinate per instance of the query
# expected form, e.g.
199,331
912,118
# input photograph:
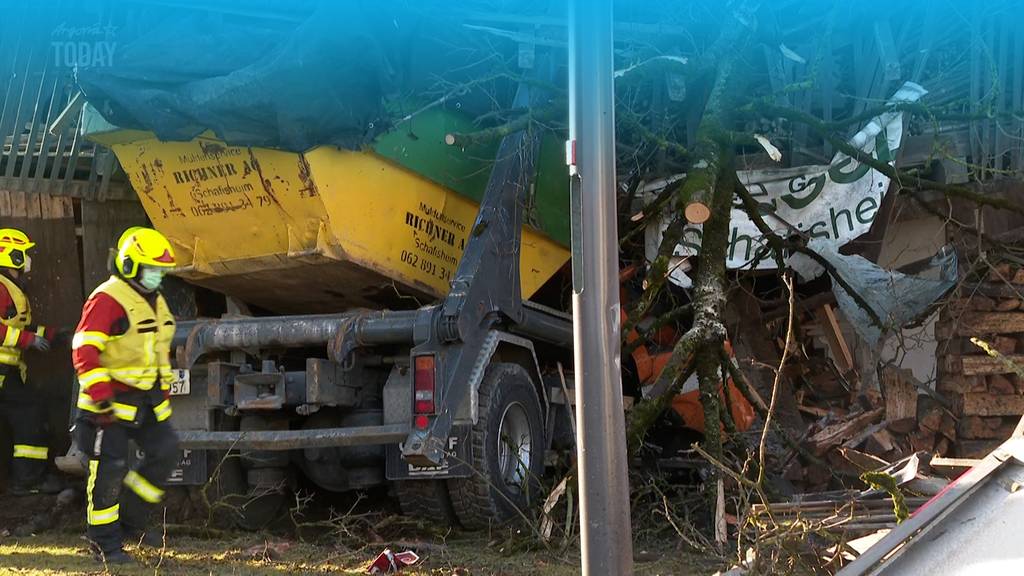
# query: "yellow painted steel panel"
408,227
234,211
227,209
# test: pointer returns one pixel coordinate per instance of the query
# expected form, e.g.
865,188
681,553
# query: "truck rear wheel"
425,500
266,478
507,452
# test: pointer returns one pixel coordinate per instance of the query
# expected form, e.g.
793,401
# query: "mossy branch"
468,139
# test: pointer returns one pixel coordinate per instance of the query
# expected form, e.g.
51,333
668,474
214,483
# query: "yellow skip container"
321,231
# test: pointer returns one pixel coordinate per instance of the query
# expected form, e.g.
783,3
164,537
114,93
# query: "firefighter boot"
49,484
114,556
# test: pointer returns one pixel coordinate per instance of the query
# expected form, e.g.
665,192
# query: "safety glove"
39,343
104,415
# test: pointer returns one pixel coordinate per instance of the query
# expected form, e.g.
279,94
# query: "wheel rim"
515,443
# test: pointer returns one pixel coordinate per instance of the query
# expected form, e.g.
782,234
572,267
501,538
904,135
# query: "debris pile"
855,428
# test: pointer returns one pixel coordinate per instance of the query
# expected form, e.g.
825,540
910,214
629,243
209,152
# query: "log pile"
981,361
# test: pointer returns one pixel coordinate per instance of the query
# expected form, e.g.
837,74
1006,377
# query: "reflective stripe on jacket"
10,354
139,358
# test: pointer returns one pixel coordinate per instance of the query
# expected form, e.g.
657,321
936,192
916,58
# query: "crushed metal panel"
972,527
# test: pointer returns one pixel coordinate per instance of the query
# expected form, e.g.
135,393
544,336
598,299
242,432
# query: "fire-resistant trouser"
21,407
111,512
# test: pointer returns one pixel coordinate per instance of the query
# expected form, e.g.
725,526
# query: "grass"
66,553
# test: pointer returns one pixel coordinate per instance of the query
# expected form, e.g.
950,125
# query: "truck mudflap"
971,527
191,469
455,464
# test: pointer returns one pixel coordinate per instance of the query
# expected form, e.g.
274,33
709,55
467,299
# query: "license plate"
182,384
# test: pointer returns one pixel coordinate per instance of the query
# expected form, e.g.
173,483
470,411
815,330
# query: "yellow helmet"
13,244
140,246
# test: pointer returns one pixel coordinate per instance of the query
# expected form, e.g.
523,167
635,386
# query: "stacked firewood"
981,360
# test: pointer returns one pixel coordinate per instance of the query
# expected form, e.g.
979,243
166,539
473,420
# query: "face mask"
28,264
150,278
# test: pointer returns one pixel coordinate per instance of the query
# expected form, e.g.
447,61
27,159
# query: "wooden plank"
960,384
1000,384
839,432
74,189
959,464
884,440
1008,305
985,428
44,142
834,337
5,203
18,205
55,292
900,395
32,207
887,53
863,460
102,225
1004,344
993,405
33,123
21,112
976,324
985,365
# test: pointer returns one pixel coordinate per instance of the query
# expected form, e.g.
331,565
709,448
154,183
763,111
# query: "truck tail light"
423,385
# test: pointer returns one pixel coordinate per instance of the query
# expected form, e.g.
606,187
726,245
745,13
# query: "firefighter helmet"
13,244
140,246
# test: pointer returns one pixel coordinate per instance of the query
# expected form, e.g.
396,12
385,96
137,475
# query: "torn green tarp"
338,73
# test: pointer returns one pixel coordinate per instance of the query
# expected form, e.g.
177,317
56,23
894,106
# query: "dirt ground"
61,550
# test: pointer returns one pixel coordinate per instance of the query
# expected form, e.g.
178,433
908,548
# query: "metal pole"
607,544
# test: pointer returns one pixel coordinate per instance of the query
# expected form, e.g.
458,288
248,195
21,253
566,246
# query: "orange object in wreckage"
687,402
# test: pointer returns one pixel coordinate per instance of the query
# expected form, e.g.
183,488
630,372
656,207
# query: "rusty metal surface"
196,338
341,333
293,439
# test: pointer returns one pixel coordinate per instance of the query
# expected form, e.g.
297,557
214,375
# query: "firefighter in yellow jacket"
19,403
121,352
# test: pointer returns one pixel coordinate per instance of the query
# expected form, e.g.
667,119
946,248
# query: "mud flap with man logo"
456,464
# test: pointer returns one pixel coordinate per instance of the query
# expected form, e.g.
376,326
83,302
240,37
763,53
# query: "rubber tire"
256,513
483,500
425,500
